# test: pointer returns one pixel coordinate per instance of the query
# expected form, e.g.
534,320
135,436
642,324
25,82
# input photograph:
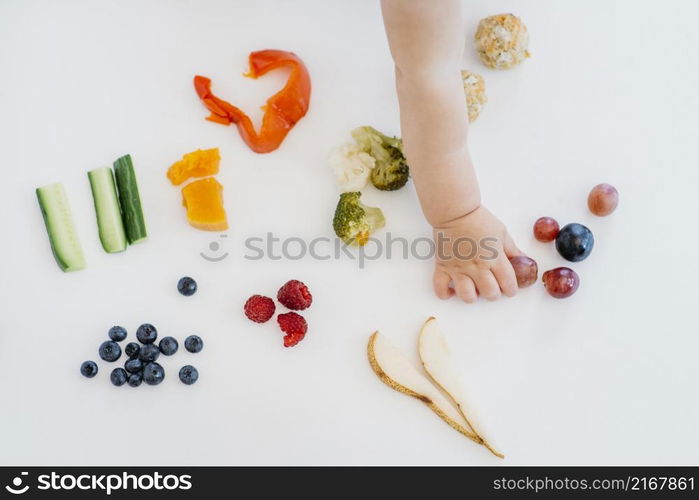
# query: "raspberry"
294,326
292,339
295,295
259,308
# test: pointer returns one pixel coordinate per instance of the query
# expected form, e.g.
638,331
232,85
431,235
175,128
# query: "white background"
606,377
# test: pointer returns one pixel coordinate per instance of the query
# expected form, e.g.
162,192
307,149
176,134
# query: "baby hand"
472,258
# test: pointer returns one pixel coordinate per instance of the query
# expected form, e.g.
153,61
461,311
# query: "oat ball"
474,87
502,41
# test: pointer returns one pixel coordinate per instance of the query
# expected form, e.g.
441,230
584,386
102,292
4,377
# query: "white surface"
606,377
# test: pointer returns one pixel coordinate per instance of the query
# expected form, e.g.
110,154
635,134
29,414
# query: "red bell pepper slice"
282,110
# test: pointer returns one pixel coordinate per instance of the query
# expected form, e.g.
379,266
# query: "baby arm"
426,40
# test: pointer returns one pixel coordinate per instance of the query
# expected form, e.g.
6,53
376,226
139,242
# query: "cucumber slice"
130,201
59,225
109,223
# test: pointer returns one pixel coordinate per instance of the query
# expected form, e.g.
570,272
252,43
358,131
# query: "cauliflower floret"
502,41
351,166
474,87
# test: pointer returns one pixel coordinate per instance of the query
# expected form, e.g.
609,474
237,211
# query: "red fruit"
294,326
561,282
526,270
295,295
292,339
545,229
603,199
259,308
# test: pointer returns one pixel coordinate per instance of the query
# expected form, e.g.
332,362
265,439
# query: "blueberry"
135,379
110,351
146,333
153,374
574,242
132,349
189,374
88,369
168,346
118,376
193,343
149,353
134,365
117,333
186,286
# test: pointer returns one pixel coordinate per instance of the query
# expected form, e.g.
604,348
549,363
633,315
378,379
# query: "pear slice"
397,372
437,361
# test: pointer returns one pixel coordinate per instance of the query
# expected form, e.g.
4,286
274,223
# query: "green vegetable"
109,223
391,171
130,201
59,225
354,222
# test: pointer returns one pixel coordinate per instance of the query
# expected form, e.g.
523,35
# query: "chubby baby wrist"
448,220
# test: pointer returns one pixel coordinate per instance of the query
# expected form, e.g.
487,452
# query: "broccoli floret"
354,222
391,170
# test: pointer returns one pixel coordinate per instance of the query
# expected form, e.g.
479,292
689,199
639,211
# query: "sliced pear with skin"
437,360
397,372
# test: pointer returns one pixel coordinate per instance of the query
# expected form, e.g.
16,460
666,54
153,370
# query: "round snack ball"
474,87
502,41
